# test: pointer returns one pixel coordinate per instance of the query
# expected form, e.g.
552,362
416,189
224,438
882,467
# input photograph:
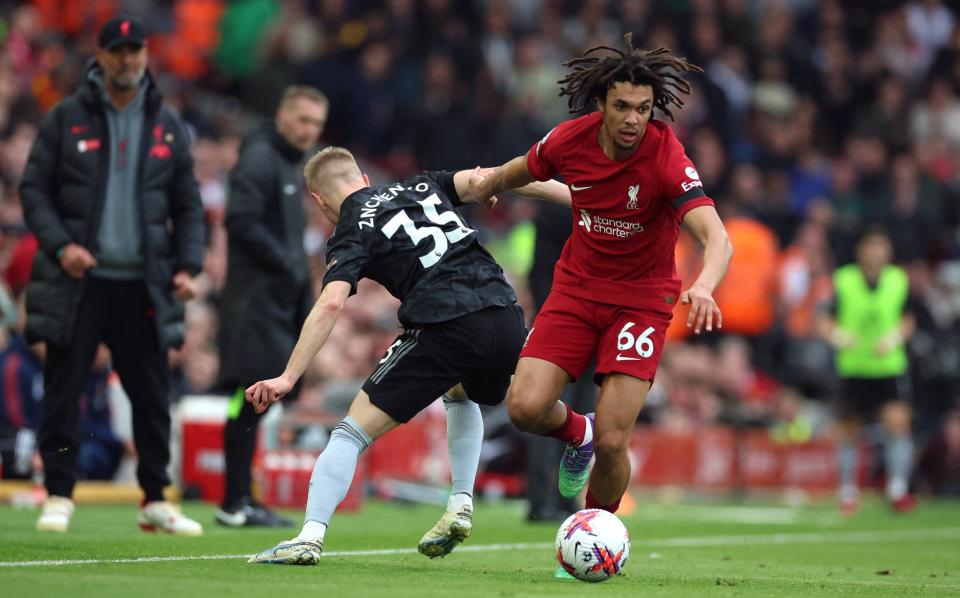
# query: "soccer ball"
593,545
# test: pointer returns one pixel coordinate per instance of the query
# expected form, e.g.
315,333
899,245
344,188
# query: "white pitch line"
224,557
948,533
944,533
745,515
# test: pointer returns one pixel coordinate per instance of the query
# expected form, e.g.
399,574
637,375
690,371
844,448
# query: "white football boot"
452,529
161,516
56,514
291,552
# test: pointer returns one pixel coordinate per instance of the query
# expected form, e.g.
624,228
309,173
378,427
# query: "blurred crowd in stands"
814,119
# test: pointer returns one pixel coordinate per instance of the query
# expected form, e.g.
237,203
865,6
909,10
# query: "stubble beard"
127,82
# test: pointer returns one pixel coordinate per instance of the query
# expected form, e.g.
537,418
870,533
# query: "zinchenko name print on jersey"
408,237
389,194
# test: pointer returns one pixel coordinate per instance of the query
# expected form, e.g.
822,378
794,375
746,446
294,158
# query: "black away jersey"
407,237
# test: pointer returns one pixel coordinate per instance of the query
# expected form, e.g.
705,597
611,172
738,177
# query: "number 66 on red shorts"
569,331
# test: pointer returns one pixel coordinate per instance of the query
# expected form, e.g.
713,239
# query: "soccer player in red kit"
615,285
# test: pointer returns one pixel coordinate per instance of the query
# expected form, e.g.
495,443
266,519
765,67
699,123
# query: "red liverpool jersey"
626,214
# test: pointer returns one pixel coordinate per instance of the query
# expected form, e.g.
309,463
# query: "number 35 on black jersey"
407,237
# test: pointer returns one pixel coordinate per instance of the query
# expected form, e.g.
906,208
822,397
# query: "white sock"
312,530
464,441
896,488
587,433
849,492
847,459
334,470
458,501
898,456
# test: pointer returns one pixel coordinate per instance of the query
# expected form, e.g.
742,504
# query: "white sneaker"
162,516
56,514
452,529
291,552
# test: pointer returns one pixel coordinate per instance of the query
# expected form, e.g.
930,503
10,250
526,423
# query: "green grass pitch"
679,550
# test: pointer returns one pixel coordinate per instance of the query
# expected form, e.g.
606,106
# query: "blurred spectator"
20,419
885,117
241,27
747,295
804,285
930,24
21,394
938,115
938,469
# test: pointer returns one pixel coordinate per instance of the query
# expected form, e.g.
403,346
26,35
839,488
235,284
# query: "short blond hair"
328,166
294,92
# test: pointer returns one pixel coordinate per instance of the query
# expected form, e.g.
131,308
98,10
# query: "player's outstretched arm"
316,329
552,191
468,181
705,224
512,175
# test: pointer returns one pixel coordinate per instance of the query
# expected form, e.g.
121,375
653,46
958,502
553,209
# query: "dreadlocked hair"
592,76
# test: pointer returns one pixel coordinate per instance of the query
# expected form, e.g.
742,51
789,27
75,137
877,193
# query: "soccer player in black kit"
462,328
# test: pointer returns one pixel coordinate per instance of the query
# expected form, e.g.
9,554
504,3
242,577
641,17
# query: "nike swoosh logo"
622,358
232,519
575,188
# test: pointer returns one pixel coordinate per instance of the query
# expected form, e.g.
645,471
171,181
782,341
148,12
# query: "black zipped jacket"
63,190
268,292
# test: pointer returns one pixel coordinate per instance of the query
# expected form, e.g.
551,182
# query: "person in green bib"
868,323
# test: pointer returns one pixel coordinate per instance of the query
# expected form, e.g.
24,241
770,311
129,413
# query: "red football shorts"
569,331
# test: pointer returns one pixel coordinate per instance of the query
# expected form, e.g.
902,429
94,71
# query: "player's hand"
888,342
841,339
265,392
703,309
183,286
476,187
76,260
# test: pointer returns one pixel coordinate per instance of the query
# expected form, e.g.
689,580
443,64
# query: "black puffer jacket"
63,190
268,293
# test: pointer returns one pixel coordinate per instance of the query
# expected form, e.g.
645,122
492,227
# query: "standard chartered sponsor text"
616,228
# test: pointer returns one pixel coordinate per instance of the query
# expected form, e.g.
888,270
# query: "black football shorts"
862,398
479,350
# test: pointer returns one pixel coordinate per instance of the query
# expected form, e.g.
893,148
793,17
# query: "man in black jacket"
110,194
259,326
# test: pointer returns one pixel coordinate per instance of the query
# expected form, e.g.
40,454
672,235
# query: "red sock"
573,428
593,504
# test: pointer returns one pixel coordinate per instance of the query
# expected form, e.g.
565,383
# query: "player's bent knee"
611,446
524,414
896,418
374,421
527,408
